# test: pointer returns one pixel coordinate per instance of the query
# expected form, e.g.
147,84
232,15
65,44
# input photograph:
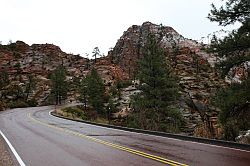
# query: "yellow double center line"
133,151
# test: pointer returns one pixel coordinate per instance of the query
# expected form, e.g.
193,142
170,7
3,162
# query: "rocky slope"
194,67
20,60
188,60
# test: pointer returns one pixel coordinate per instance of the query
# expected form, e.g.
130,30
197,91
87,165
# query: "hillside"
197,77
20,61
191,64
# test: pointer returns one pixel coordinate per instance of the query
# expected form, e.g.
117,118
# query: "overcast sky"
77,26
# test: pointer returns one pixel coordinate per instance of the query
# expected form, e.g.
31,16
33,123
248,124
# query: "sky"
77,26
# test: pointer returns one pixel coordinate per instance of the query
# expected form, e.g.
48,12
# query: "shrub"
230,130
32,103
75,111
123,84
2,106
17,104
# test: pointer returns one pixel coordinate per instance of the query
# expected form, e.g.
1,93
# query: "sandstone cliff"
198,79
193,66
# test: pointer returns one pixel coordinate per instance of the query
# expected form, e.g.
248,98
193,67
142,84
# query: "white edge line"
217,146
20,161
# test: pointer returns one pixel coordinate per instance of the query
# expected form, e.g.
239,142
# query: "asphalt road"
44,140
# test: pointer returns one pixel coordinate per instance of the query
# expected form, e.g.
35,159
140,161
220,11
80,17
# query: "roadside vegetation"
154,104
16,92
152,109
234,100
59,85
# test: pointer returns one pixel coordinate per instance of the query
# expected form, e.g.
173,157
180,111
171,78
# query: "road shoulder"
5,154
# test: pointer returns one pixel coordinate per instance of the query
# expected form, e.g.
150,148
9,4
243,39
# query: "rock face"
238,73
244,137
39,60
109,72
194,67
128,49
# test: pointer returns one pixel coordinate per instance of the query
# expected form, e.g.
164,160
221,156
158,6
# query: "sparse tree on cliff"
96,52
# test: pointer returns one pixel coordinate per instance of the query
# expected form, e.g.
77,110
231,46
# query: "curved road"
41,139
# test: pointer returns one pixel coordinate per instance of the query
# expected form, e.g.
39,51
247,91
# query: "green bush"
230,130
2,106
171,121
75,112
234,104
123,84
32,103
17,104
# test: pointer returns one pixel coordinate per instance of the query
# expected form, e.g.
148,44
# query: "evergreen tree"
4,79
235,108
83,90
96,52
4,82
96,91
232,11
59,86
30,86
235,49
158,90
235,46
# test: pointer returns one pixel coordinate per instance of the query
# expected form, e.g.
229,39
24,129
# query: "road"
41,139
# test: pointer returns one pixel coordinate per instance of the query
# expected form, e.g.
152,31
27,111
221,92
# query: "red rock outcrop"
193,66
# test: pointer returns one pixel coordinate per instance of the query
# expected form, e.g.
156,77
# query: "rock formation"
194,67
39,60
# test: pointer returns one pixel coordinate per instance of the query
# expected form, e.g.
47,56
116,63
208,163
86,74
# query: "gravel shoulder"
5,154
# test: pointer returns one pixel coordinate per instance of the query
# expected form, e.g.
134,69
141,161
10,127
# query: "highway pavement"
41,139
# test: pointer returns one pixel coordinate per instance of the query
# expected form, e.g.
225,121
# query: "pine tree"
235,46
59,87
30,86
83,90
4,79
158,90
96,91
232,11
234,100
4,82
96,52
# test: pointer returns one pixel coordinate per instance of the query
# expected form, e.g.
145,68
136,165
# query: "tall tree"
235,49
96,52
158,89
4,81
30,86
83,90
232,11
59,85
96,91
235,46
